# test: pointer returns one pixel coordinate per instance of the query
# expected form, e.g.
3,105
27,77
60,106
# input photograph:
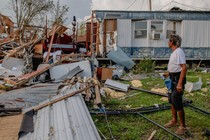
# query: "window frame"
173,30
142,30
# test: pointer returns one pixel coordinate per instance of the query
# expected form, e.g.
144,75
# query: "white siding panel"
124,33
195,34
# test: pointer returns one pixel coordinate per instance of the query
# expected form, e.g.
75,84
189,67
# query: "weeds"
145,65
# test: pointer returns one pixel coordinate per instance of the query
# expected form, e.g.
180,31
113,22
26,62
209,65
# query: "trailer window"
157,26
140,29
170,28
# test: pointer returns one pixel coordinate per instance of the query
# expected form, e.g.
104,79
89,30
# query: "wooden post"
51,42
91,35
88,92
104,36
97,90
97,38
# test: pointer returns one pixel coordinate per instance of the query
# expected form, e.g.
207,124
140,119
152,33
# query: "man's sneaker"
170,124
181,130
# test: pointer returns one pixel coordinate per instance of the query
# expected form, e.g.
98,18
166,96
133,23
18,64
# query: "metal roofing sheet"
65,120
30,96
59,71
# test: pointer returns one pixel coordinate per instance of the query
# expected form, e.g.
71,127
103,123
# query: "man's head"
175,40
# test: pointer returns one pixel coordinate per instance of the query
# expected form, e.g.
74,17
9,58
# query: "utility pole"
150,5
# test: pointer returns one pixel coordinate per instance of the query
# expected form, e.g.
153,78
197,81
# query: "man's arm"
181,78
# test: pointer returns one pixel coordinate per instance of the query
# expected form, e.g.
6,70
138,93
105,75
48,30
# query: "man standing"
177,71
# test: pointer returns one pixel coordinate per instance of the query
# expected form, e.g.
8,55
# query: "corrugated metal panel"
65,120
59,71
31,96
71,73
124,32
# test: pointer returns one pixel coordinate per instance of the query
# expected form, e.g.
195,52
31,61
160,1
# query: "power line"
131,4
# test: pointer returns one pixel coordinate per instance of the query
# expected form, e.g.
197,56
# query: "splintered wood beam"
88,92
51,42
97,90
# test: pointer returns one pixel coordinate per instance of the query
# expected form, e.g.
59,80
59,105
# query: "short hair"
176,40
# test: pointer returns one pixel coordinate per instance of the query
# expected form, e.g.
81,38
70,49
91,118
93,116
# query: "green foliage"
145,65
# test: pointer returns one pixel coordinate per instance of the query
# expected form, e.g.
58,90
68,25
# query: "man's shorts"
175,98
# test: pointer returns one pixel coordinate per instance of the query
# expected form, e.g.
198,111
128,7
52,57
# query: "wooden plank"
88,92
61,98
71,82
51,42
31,43
104,36
152,135
97,90
7,80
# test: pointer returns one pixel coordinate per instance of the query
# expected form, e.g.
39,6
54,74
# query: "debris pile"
48,72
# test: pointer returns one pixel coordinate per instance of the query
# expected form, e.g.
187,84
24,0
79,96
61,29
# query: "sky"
82,8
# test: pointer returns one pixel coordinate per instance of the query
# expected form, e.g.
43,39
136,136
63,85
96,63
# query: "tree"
58,13
27,10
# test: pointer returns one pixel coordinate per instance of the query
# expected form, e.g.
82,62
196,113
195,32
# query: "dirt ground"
9,127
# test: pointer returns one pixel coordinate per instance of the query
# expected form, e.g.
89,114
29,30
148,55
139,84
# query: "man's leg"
174,114
182,118
172,122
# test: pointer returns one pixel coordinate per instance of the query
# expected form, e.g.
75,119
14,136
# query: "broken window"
140,29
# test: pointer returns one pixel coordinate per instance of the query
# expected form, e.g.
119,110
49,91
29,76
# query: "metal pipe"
198,109
141,114
149,91
160,126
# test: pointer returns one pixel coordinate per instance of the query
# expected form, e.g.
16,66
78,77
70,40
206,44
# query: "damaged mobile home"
145,33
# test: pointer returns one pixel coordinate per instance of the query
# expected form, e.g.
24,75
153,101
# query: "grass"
134,127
